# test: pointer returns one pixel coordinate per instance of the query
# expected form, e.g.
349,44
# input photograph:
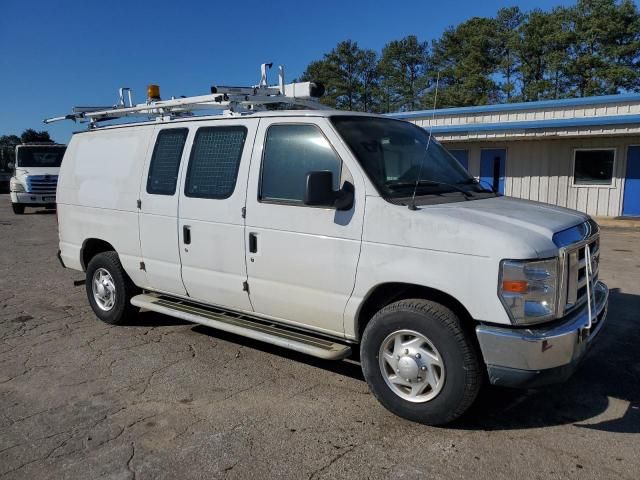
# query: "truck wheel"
419,362
109,289
17,208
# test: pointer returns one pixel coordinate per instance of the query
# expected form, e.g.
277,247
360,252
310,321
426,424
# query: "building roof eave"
563,123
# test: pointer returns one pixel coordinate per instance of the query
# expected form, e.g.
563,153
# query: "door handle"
253,243
186,234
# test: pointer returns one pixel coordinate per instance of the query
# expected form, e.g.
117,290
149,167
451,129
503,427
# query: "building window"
290,153
593,167
214,163
165,162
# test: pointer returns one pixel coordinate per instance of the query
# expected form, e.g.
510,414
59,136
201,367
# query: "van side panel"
98,193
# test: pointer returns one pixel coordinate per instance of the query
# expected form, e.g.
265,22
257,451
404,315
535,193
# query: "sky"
55,54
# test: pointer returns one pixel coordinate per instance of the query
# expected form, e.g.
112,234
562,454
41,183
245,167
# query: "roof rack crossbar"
232,100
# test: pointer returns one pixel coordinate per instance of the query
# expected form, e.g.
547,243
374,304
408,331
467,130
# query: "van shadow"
610,373
348,367
153,319
48,211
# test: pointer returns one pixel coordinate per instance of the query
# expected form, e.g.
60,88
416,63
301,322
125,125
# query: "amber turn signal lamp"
153,92
515,286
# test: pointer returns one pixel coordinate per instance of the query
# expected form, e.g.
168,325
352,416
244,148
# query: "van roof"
260,114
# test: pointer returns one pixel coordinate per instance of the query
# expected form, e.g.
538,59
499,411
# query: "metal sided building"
581,153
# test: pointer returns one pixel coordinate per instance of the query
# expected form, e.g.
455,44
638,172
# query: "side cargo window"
214,163
290,153
165,162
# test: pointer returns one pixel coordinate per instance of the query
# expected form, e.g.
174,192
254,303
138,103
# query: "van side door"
158,219
301,260
211,224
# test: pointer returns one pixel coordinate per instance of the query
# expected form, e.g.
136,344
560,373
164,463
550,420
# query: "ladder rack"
231,100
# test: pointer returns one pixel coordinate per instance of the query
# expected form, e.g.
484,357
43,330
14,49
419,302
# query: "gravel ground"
160,398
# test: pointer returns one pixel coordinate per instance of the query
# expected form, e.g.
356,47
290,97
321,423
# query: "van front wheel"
109,289
419,363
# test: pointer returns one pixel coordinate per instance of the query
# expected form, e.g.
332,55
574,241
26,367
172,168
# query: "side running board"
244,325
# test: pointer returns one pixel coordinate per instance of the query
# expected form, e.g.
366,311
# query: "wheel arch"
386,293
90,248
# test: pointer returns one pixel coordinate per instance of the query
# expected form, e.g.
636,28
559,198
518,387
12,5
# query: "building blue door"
462,156
492,168
631,200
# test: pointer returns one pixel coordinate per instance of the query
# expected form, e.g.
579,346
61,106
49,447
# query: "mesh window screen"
163,171
214,163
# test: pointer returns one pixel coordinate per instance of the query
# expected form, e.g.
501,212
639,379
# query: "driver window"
290,153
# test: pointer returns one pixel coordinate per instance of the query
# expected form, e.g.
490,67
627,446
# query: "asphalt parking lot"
160,398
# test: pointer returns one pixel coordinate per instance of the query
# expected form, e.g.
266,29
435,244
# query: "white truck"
324,231
35,175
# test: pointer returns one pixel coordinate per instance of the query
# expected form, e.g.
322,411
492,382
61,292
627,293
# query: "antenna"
412,205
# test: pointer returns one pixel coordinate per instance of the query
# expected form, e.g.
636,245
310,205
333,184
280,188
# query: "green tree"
508,22
466,57
543,52
30,135
404,67
592,48
605,52
349,74
370,88
7,150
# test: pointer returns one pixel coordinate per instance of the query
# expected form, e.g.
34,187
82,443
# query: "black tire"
463,375
17,208
124,289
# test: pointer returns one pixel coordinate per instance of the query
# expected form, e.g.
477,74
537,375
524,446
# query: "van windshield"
42,156
397,155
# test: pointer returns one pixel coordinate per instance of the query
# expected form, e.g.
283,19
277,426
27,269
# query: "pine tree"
508,21
543,53
403,67
606,48
466,58
350,76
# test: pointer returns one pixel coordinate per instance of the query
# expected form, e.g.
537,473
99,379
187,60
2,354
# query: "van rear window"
165,162
215,158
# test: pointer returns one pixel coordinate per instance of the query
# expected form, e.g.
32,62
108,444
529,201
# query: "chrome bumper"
33,198
542,355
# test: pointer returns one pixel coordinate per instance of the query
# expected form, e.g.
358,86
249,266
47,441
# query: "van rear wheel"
419,362
109,289
17,208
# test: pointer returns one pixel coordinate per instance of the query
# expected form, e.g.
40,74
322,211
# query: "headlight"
529,290
16,186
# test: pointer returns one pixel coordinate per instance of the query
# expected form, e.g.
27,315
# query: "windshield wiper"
429,183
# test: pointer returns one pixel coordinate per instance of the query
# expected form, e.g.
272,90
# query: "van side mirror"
10,165
319,191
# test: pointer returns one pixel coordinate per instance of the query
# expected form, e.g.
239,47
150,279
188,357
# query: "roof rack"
231,100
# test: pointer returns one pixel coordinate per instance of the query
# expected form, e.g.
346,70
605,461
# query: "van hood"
503,227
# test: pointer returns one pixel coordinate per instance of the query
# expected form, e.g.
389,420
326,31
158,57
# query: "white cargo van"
35,175
324,231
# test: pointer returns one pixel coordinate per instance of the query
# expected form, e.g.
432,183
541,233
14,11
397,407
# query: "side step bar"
244,325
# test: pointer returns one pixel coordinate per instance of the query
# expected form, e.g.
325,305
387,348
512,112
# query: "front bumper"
34,199
531,357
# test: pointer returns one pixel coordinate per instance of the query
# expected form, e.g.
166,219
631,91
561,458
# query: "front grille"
576,287
42,184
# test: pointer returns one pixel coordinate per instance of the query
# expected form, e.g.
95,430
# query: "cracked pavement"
160,398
